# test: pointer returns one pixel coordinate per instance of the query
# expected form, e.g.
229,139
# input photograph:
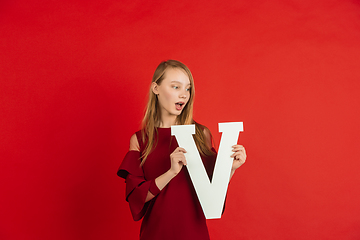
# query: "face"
173,92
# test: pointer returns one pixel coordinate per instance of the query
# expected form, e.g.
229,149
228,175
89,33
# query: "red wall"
73,82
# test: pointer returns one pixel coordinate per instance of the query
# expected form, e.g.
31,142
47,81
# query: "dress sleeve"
137,187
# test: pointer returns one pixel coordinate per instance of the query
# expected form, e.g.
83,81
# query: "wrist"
164,179
171,173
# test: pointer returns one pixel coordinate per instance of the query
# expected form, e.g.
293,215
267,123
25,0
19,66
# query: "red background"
74,76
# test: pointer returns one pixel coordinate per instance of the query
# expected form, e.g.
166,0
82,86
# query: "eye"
175,87
188,89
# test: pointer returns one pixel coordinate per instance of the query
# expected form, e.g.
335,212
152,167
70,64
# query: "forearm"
161,182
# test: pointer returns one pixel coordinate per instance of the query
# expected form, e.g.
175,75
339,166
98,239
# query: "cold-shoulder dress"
175,212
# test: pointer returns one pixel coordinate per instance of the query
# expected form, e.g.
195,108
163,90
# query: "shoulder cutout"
134,144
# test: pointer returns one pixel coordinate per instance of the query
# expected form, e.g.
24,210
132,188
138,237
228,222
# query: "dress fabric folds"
175,211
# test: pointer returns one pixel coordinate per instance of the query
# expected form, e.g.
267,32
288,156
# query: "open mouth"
179,105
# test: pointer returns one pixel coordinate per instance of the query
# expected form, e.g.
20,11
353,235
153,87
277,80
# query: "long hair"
152,117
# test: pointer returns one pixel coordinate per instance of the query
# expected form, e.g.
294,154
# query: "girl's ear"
154,88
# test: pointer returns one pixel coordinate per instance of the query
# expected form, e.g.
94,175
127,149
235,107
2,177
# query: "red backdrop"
73,82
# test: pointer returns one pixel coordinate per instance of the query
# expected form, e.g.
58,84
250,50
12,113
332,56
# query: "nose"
183,94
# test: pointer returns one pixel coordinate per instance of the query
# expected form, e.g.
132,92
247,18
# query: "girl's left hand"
239,156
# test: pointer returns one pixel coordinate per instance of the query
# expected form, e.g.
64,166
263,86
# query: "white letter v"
211,195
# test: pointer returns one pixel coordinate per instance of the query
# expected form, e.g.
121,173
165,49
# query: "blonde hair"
152,117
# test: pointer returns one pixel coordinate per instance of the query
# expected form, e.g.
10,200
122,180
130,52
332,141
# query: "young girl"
158,186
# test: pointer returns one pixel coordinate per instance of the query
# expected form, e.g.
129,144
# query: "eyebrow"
180,82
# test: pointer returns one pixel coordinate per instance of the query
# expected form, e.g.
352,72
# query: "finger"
240,150
181,159
179,154
239,155
237,145
180,149
240,147
181,163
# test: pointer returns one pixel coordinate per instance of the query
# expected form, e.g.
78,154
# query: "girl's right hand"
178,159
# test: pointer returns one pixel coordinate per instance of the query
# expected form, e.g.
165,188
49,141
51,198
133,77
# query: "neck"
167,121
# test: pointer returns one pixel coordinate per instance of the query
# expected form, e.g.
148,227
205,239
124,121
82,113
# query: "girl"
158,187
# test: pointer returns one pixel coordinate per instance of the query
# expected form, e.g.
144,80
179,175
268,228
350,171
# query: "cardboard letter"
211,194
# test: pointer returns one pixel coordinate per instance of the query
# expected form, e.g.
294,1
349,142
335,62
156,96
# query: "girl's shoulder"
135,141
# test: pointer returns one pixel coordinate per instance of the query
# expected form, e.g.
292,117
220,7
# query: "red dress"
175,211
